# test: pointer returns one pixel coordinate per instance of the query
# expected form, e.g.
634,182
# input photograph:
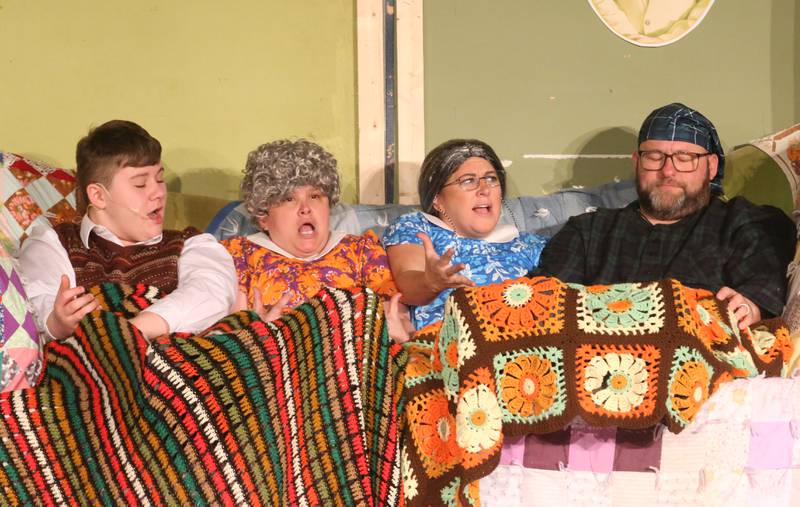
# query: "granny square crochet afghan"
531,355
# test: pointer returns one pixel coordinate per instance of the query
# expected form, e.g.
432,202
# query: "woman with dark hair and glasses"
456,240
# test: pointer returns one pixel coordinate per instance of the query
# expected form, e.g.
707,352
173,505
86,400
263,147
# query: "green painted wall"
797,59
550,78
211,80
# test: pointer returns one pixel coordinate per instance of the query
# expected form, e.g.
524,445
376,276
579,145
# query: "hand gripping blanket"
531,355
300,411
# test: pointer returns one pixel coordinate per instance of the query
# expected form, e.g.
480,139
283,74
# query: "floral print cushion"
32,193
20,348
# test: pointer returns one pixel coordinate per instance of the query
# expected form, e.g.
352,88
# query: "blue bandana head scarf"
676,122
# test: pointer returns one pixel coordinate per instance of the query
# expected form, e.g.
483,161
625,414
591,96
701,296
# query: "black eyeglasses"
682,161
472,182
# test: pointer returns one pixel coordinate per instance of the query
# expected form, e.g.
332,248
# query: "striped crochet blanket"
296,412
531,355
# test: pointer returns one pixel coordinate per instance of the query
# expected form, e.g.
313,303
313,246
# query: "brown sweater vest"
104,261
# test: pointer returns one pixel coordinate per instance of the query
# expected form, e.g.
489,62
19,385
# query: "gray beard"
657,205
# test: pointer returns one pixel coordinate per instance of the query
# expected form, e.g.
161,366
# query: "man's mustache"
672,182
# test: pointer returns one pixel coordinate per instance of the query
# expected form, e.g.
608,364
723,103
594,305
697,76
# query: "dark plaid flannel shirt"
734,243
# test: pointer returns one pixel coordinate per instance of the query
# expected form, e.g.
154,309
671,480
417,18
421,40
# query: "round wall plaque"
651,23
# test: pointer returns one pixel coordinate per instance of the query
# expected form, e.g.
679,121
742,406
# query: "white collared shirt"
502,233
263,240
206,277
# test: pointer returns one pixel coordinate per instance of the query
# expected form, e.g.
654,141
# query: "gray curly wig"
275,170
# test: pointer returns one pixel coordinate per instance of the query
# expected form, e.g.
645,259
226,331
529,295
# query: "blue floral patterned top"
486,261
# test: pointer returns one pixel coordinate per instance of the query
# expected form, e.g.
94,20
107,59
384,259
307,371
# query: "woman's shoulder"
234,244
367,244
241,247
413,217
524,245
239,242
367,240
405,228
532,239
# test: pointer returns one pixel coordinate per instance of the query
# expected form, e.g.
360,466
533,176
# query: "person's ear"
635,158
713,166
96,195
262,222
436,206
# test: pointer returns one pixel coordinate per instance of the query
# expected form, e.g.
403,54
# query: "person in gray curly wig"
289,188
275,170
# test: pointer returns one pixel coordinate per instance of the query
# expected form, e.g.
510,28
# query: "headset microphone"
135,211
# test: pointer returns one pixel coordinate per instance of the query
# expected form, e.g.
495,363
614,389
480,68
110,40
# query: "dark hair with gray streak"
275,170
445,159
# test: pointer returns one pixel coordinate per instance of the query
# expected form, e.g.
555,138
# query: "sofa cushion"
30,194
20,348
546,214
234,220
543,215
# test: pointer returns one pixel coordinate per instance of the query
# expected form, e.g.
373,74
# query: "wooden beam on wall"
389,159
371,99
410,98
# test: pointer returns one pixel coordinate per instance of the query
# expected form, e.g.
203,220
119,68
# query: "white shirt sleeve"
206,287
42,261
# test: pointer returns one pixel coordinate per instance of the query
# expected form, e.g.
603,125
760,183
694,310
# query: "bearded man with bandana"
681,226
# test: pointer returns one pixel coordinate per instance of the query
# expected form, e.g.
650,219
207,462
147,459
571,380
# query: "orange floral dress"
356,261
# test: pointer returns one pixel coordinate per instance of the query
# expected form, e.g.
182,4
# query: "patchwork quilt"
20,349
742,448
32,193
532,355
300,411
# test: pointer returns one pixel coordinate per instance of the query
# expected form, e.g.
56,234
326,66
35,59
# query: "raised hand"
269,313
440,273
745,311
69,307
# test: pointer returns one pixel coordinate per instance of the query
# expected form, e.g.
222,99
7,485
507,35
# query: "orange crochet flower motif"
689,385
521,307
528,385
768,346
699,315
451,354
784,343
418,367
433,430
